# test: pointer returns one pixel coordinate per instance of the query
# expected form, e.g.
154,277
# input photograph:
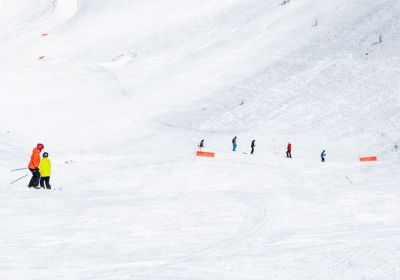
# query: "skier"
201,144
45,170
323,155
34,166
289,151
253,144
234,145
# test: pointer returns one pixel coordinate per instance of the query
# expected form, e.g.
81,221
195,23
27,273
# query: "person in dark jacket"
253,144
234,145
201,144
323,155
289,151
34,166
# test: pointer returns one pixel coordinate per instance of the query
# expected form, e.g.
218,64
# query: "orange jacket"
35,159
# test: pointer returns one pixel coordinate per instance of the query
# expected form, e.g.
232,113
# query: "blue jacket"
323,154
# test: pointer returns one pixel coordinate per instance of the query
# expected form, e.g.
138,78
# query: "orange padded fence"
374,158
205,154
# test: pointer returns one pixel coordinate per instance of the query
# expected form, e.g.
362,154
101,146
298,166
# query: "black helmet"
45,154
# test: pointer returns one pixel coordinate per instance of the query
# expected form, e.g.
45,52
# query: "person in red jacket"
34,166
289,151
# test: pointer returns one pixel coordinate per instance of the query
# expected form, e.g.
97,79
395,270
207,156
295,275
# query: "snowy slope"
127,88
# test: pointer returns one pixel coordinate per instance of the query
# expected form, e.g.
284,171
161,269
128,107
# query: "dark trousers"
46,180
322,159
34,182
252,150
289,154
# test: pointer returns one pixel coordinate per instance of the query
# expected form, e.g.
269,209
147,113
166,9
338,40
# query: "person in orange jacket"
34,166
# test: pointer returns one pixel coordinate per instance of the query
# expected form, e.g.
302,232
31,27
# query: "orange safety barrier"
41,57
205,154
373,158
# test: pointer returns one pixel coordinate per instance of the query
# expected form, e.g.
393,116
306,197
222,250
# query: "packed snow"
121,92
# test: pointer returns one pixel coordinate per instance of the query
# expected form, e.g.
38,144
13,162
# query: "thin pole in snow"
18,179
348,179
17,169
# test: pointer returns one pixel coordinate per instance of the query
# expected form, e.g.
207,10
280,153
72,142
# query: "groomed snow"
126,90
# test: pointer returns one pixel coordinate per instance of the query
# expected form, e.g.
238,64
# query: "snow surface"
126,90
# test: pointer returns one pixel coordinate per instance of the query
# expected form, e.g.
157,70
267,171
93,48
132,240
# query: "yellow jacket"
45,167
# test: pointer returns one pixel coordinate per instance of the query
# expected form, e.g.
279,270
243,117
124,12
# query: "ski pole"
18,179
18,169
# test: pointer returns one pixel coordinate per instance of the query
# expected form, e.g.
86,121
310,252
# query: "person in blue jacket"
234,144
323,155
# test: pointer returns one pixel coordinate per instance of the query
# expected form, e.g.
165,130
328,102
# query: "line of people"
253,145
40,168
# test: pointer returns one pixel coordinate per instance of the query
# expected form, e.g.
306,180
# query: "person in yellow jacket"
45,171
